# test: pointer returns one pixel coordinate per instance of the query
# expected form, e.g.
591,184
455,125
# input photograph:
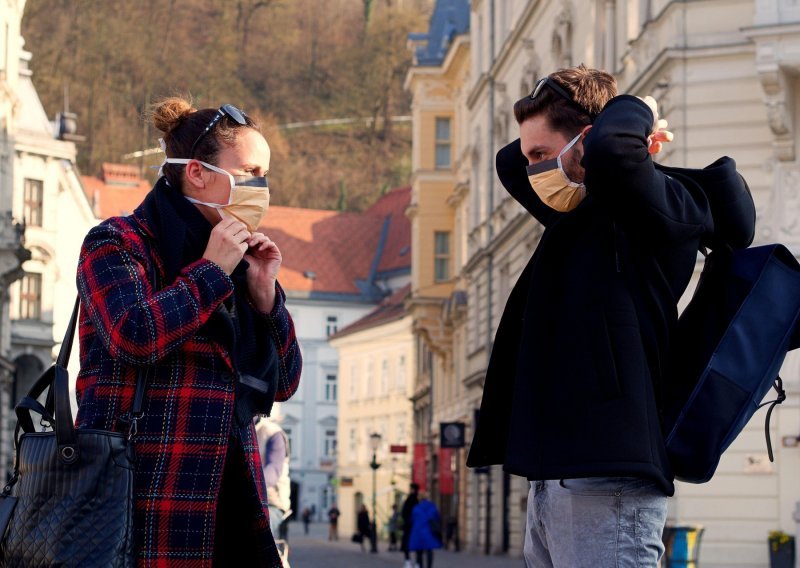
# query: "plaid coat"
189,399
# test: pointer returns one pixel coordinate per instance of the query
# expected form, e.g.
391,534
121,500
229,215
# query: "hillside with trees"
287,63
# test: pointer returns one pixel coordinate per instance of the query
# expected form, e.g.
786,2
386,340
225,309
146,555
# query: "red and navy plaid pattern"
189,399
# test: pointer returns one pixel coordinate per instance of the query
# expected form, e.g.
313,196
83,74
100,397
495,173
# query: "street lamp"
374,442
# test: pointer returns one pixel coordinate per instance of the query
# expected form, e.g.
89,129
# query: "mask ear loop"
564,151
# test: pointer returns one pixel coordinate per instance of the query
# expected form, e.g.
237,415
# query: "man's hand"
265,259
659,133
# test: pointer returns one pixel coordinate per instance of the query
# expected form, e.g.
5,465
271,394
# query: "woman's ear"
194,175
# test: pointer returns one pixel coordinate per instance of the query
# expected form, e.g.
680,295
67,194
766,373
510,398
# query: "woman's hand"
227,243
265,259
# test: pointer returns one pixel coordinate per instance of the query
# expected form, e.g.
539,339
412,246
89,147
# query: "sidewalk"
315,551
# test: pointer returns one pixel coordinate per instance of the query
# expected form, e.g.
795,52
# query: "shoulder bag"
70,500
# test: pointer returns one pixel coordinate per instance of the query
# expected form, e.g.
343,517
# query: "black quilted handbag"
70,500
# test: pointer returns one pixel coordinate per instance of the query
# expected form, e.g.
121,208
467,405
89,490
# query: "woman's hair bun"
167,114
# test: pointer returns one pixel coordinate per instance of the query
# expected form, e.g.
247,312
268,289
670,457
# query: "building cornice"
513,42
670,54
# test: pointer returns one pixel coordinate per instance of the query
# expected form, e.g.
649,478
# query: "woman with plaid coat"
185,290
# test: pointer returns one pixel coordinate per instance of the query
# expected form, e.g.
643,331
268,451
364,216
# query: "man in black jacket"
407,514
572,393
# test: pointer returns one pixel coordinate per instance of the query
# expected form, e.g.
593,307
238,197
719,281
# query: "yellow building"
376,355
440,182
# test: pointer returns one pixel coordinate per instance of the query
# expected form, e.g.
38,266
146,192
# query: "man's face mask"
249,197
550,182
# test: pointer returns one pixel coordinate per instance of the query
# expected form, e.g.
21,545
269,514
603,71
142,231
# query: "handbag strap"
57,409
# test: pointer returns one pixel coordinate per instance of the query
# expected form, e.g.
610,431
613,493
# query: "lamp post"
374,442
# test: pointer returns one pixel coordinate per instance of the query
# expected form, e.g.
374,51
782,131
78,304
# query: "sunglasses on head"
225,110
559,90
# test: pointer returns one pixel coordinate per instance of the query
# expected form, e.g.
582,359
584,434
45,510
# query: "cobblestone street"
315,551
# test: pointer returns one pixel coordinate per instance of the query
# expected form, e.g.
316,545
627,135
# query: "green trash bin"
682,544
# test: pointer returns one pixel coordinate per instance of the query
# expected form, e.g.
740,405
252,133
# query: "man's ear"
194,175
586,130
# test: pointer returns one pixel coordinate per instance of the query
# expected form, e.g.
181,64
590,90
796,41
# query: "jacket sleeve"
511,163
134,322
621,174
290,360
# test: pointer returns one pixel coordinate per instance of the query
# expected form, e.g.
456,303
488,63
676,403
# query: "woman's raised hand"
264,258
227,243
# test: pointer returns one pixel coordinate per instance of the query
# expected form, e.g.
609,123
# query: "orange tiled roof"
391,308
397,251
118,190
323,251
327,251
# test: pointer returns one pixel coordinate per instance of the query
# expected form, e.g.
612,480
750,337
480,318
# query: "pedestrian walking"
364,527
426,532
333,522
306,519
185,290
585,335
393,526
407,514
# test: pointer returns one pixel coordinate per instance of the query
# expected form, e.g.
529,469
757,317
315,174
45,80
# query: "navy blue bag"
730,344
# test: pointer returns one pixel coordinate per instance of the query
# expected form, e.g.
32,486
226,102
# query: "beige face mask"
249,197
552,185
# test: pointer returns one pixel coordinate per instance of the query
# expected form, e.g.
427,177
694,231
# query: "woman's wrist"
264,300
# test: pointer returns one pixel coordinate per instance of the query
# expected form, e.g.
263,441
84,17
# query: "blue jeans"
275,519
596,522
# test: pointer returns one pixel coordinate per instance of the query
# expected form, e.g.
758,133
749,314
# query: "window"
330,443
330,387
441,262
442,143
32,205
353,452
353,381
384,377
331,325
30,296
401,431
400,379
370,391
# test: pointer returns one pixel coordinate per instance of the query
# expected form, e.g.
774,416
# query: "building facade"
724,75
49,199
375,358
440,183
337,267
15,104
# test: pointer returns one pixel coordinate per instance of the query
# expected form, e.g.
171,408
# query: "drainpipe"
489,237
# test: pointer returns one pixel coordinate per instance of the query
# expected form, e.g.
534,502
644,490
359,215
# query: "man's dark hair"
414,488
589,88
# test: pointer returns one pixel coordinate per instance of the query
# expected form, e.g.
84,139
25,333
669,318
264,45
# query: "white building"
49,199
336,268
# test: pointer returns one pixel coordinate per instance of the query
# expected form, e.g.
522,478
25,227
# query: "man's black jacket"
572,387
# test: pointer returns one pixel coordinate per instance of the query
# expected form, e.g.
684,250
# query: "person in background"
306,519
406,513
186,289
363,526
394,525
426,532
333,522
275,465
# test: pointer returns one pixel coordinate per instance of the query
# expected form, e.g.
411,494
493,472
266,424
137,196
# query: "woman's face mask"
553,186
249,197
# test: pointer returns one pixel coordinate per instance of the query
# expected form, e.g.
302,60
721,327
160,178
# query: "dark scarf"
181,236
